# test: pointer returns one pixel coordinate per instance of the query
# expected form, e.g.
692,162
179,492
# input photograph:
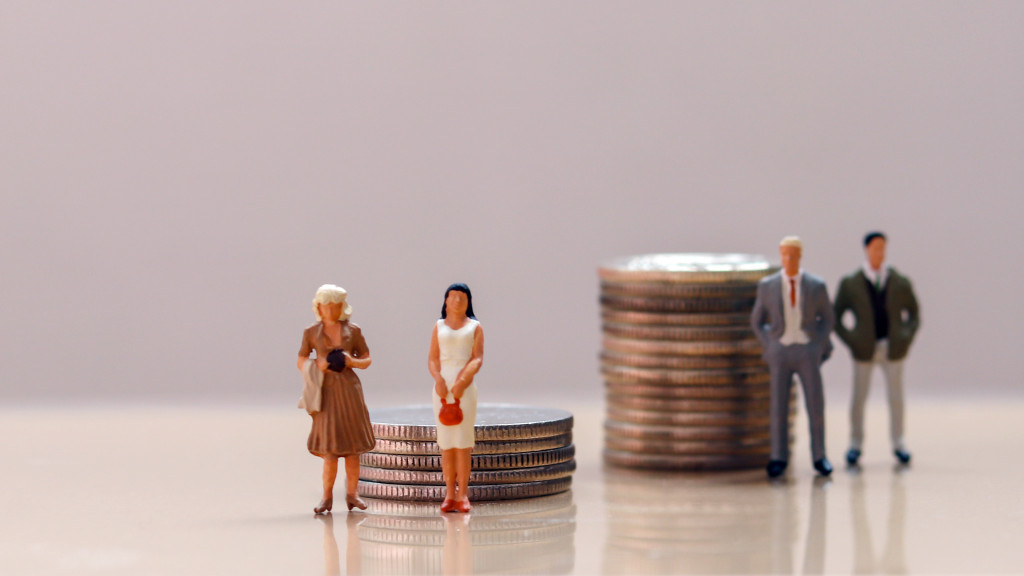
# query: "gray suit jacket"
900,305
817,319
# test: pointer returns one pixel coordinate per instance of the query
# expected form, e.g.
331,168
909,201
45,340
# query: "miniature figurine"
792,317
885,319
456,354
341,427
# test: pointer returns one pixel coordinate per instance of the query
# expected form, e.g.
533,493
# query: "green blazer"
900,305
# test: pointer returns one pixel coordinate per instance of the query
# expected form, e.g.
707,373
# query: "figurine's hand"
321,363
440,388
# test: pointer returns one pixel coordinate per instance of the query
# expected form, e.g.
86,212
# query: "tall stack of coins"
520,452
686,386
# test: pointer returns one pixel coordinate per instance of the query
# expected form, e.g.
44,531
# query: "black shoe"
776,468
823,466
852,456
902,455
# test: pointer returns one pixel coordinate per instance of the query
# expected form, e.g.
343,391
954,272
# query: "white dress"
456,347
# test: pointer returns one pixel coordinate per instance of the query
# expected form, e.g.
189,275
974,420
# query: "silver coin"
477,461
687,433
701,306
494,422
741,376
430,447
476,491
669,348
544,506
694,448
676,319
680,290
475,537
720,392
683,462
434,477
677,333
685,419
611,358
755,406
688,268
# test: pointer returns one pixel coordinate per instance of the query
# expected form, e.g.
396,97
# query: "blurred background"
177,179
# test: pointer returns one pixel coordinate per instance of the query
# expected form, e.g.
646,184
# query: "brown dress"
342,426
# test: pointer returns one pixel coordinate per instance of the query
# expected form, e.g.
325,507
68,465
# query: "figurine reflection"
456,354
341,424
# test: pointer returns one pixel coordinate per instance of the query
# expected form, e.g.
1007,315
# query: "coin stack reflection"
686,386
520,452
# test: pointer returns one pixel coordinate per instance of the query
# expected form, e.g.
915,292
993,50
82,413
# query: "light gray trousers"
893,370
799,359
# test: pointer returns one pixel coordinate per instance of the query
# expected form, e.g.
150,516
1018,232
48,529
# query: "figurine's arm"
360,355
913,320
828,322
434,366
304,351
758,316
839,308
465,377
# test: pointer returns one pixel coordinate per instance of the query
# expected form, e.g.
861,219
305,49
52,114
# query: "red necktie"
792,292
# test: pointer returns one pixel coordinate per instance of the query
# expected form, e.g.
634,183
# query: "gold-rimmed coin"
611,358
675,319
721,392
742,376
677,333
731,290
477,461
387,446
476,491
435,478
494,422
702,306
669,348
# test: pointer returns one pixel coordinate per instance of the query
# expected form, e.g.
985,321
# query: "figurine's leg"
448,470
894,382
809,371
781,384
330,474
463,463
861,386
352,483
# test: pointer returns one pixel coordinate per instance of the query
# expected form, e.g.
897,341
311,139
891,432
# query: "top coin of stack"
686,387
520,452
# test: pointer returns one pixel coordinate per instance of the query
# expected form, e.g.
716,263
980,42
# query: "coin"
741,376
476,491
502,509
434,477
683,462
693,448
731,290
721,392
684,433
429,447
475,537
610,358
685,418
668,347
703,305
677,333
756,405
477,462
691,268
676,319
494,422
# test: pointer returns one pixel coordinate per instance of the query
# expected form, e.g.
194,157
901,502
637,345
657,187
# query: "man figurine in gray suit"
885,320
793,319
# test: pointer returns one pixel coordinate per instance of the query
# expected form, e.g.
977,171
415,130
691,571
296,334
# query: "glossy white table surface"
151,491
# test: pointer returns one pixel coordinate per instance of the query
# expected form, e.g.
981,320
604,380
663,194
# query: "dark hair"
458,287
871,236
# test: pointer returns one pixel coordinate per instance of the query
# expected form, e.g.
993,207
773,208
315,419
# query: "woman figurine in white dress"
456,354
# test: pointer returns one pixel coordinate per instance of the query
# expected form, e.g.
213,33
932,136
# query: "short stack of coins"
520,452
686,386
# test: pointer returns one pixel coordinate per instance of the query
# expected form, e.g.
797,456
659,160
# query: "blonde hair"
792,241
331,294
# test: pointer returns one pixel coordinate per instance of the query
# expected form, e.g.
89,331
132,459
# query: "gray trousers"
893,370
785,361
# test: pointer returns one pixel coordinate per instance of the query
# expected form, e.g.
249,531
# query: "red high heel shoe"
448,505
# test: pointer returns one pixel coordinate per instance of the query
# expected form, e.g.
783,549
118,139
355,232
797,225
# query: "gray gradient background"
177,179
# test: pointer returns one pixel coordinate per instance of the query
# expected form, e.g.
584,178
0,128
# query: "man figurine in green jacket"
885,320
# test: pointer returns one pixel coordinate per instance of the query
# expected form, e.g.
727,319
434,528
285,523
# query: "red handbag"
451,414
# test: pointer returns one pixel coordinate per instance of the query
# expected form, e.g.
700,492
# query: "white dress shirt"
792,315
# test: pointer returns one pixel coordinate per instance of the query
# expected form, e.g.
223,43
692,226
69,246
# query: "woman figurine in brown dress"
341,429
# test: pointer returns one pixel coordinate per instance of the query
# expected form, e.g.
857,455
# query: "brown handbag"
451,414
